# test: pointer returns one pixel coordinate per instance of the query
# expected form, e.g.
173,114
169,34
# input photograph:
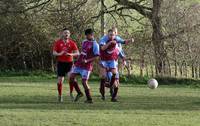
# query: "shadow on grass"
126,103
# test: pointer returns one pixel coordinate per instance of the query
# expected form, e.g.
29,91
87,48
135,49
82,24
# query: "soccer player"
109,51
64,49
83,66
121,54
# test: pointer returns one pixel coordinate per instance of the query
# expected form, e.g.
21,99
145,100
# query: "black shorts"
63,68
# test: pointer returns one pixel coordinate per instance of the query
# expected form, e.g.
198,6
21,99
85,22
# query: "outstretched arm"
122,41
122,56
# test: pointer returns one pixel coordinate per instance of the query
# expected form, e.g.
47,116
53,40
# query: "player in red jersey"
64,49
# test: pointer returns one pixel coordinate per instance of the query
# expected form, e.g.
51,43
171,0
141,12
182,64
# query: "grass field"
26,103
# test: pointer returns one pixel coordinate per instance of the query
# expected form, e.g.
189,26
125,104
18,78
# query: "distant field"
24,103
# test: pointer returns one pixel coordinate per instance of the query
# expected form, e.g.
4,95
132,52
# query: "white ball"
152,83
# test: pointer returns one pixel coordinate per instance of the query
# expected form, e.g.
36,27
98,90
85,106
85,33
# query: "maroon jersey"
89,50
111,53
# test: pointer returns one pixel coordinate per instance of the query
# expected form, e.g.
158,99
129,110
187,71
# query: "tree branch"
38,4
181,31
143,10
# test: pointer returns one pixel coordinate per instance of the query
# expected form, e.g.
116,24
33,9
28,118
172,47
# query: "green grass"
26,102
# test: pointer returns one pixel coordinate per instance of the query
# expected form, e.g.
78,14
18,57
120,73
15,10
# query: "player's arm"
75,51
122,56
55,50
122,41
55,53
91,59
102,43
106,45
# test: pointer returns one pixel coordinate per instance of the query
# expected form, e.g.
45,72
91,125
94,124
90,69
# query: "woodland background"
166,33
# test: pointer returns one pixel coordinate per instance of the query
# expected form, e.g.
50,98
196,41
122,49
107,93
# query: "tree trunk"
181,69
199,70
142,64
169,72
175,59
157,36
102,18
151,66
186,70
52,64
176,72
196,70
192,70
24,62
147,70
129,67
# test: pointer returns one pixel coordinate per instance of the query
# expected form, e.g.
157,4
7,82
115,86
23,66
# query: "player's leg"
71,87
113,65
60,74
59,88
109,76
85,76
103,79
113,69
113,78
115,88
73,81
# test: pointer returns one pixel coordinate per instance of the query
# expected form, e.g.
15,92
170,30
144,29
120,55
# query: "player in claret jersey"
106,83
109,52
83,65
64,49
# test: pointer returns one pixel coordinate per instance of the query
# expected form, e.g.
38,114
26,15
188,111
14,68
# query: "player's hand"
68,54
112,42
85,61
132,40
129,40
61,53
124,63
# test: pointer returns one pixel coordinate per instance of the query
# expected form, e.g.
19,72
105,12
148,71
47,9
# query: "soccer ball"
152,83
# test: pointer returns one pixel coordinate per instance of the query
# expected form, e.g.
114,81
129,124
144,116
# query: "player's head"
89,33
65,33
115,30
111,34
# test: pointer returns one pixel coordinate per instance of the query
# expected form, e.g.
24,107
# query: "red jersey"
68,47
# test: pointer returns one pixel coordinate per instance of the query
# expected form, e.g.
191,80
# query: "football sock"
102,87
71,87
88,94
115,93
59,87
112,81
87,90
75,85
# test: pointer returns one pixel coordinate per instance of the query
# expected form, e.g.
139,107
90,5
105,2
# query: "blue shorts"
110,64
85,74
